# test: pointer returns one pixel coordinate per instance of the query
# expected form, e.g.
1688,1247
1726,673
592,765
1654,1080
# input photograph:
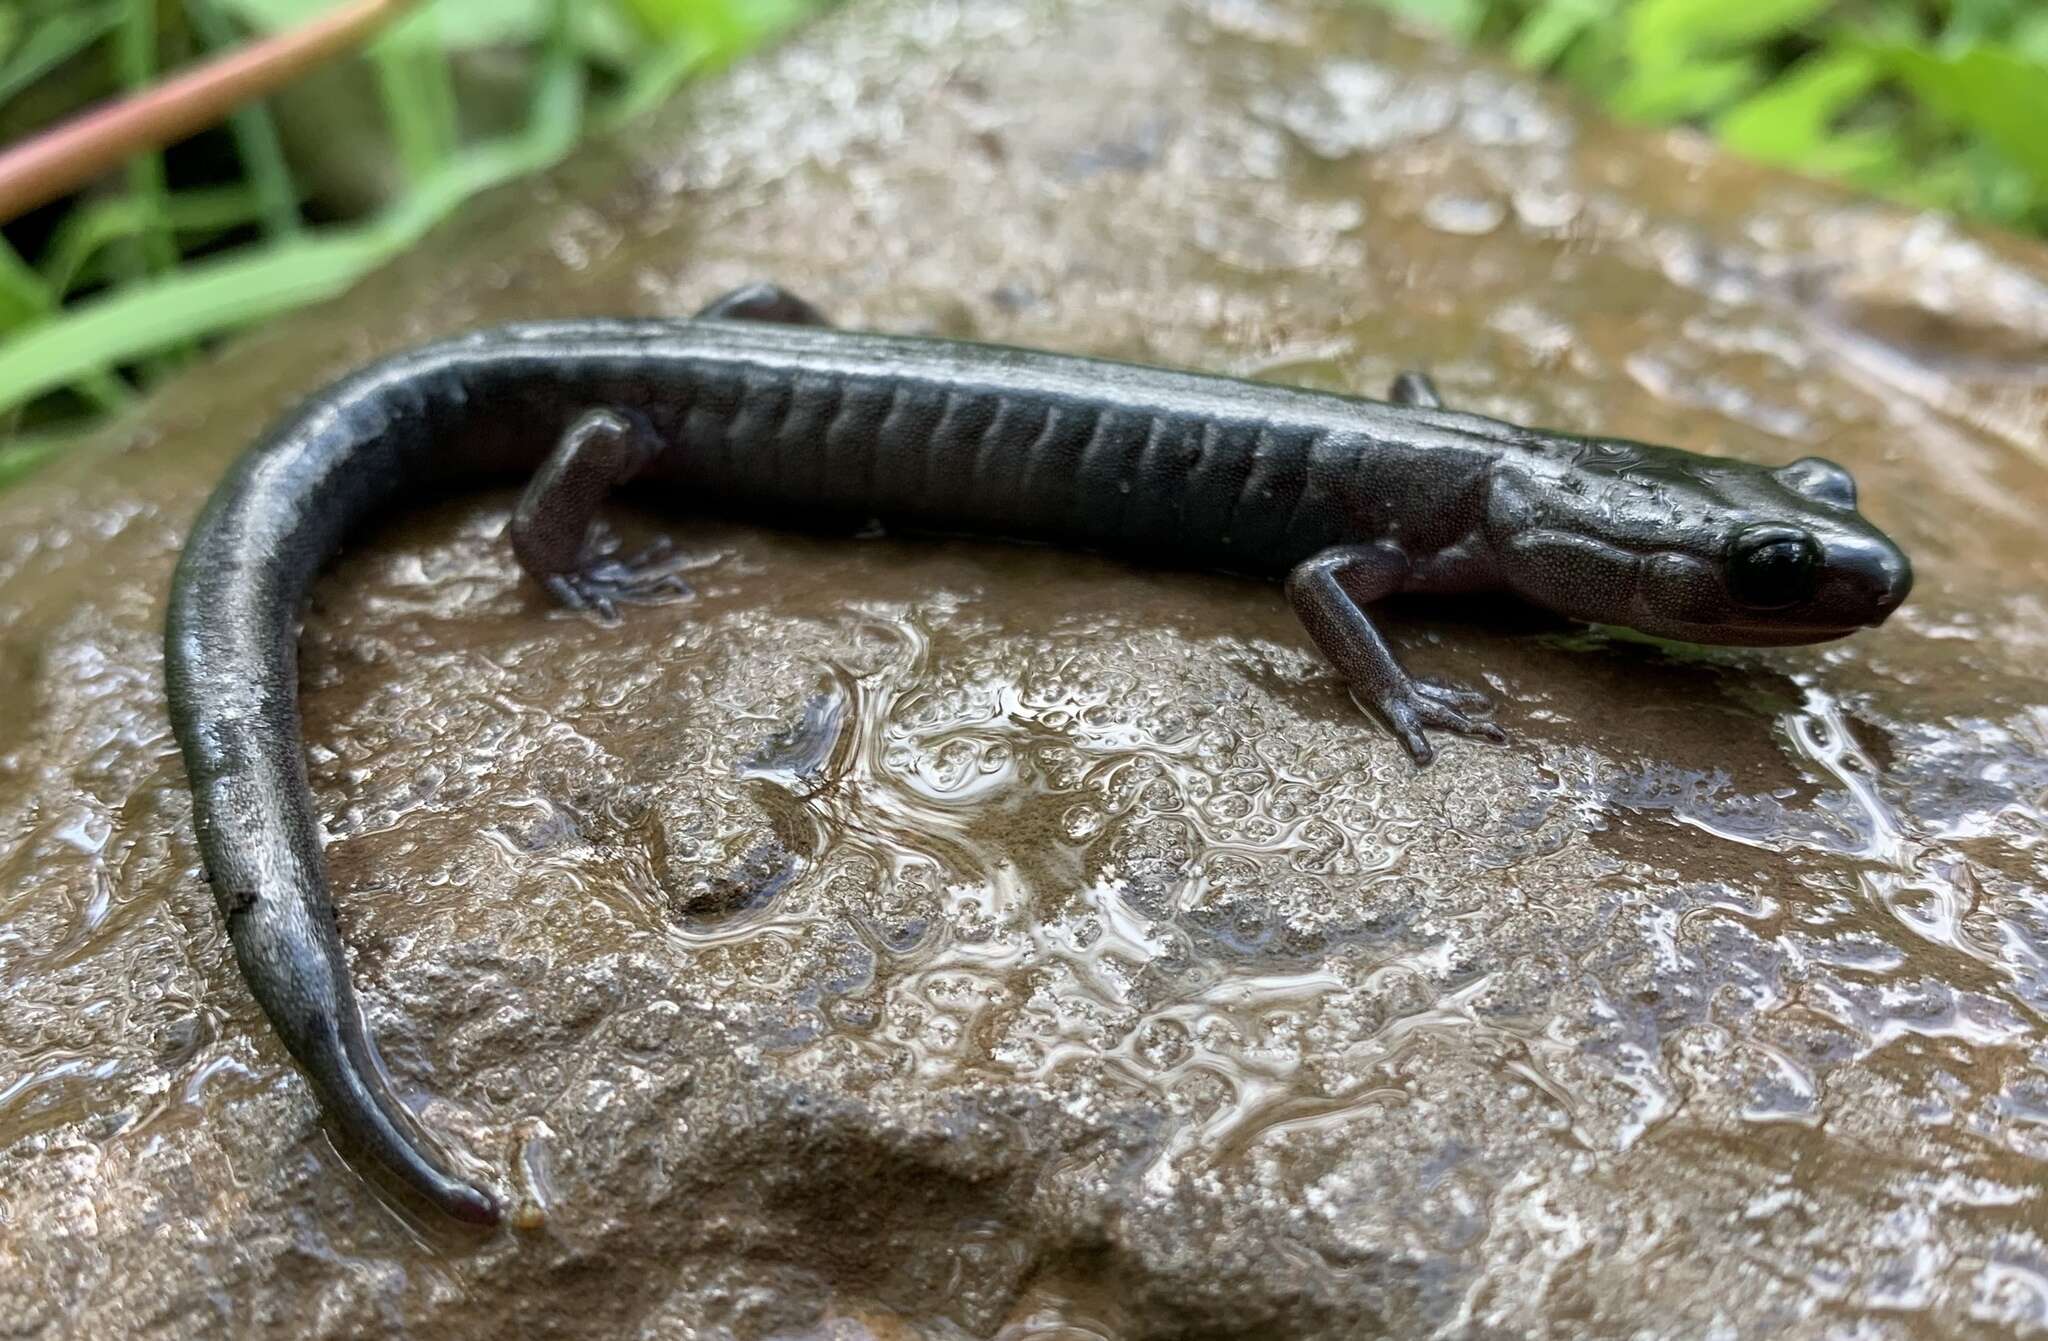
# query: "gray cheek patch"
1575,575
1677,587
1584,558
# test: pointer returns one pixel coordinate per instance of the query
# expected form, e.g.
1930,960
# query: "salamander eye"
1771,567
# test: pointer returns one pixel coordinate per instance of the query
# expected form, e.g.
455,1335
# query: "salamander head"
1697,549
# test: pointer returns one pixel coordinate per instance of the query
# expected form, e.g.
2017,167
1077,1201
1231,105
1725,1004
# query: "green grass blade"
134,66
1996,93
23,294
169,311
257,141
409,109
655,77
89,228
54,41
1669,34
1541,39
1791,121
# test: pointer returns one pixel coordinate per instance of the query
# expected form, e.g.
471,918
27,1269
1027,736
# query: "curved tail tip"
469,1203
418,1162
415,1158
344,1068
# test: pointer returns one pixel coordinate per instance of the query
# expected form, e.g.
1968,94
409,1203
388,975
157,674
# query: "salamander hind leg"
551,525
1415,388
763,302
1329,593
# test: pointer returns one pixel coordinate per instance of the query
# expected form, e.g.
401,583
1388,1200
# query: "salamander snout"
1791,582
1874,574
1782,578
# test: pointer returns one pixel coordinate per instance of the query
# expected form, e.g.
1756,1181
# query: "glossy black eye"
1771,567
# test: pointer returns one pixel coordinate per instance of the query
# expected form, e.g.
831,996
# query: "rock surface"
1126,982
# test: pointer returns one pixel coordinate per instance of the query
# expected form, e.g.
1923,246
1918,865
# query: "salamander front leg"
1329,593
550,527
1415,388
763,302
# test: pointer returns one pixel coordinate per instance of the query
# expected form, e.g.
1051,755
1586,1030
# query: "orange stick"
62,158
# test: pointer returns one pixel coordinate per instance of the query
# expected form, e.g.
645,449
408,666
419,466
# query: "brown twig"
66,156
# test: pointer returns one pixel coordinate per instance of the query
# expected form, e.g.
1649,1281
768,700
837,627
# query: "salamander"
758,407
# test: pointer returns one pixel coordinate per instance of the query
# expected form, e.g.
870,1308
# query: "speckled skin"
757,408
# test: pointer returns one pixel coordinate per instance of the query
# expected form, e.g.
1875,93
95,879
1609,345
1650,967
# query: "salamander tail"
343,1065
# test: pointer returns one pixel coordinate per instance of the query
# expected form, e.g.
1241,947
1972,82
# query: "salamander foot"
607,581
1330,591
1415,388
763,302
1419,703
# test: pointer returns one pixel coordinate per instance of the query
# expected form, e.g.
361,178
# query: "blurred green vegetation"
1941,103
297,195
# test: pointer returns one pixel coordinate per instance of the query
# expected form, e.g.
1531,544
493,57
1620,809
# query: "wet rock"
1125,980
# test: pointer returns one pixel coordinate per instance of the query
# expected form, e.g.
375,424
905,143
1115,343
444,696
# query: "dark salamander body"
758,408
